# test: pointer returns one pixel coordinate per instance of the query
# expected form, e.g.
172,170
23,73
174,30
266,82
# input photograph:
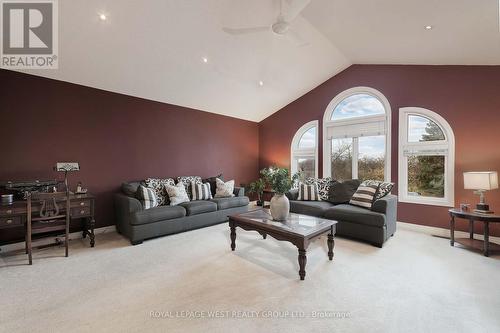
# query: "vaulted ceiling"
175,51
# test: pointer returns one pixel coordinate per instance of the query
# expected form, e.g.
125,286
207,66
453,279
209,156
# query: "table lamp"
67,167
481,181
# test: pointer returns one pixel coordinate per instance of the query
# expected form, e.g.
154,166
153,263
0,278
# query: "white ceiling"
153,49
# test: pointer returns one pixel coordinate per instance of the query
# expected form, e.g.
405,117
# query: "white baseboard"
441,232
51,240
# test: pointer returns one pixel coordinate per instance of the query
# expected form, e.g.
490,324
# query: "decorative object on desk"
22,188
80,189
7,199
67,167
481,181
280,181
257,187
464,207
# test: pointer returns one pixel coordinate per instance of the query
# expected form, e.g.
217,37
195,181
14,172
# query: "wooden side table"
484,246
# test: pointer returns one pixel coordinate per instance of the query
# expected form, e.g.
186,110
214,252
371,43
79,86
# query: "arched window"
426,158
304,150
357,140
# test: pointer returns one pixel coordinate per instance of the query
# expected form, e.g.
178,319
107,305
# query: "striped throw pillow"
308,192
147,197
364,195
201,191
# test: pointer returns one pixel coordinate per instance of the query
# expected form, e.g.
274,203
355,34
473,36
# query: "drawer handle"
8,221
82,212
9,211
82,203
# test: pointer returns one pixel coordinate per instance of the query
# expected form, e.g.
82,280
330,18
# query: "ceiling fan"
283,24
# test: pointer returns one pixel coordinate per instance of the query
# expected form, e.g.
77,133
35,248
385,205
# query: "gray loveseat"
374,226
138,224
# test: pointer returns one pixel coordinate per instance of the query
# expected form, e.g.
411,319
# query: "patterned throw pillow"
383,190
308,192
323,185
213,182
365,195
177,194
201,191
187,180
147,197
224,189
158,186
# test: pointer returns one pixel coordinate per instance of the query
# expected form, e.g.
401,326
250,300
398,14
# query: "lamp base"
482,208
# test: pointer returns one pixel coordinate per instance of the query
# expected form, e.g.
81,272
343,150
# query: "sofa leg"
379,245
137,242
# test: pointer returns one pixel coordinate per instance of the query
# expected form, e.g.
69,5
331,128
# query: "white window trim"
296,153
327,122
448,150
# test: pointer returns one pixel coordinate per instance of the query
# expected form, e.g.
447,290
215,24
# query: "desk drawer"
80,203
8,211
10,221
80,212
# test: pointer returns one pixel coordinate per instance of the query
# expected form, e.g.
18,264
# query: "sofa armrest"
386,204
239,191
293,194
126,205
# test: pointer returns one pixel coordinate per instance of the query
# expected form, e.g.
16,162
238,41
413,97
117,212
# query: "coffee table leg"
233,236
264,236
302,264
331,244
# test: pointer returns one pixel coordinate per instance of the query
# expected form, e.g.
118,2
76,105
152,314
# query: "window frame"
444,148
296,152
327,123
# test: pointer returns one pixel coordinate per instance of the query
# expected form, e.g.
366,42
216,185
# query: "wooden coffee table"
298,229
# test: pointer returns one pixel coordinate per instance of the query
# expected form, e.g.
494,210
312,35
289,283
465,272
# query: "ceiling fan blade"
295,7
244,31
296,38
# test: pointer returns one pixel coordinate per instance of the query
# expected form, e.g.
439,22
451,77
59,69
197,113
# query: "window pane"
342,159
371,157
358,105
426,176
422,129
308,139
306,166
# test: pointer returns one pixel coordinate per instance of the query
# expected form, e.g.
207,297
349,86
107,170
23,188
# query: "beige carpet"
416,283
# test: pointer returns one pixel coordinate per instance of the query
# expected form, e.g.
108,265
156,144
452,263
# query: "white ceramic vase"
280,207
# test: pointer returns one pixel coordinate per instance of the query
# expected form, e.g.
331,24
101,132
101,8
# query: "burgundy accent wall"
468,97
114,137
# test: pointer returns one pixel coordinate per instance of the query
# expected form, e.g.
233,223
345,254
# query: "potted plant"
280,182
257,187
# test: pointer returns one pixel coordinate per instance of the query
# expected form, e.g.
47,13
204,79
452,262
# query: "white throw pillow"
224,189
177,194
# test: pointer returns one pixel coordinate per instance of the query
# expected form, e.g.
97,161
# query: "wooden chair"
53,214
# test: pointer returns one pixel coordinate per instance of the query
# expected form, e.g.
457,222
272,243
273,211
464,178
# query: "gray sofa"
374,226
138,224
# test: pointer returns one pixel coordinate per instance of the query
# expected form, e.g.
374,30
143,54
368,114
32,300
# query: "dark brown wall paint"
114,137
468,97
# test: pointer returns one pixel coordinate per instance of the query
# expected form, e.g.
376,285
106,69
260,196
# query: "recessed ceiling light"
428,27
103,17
261,83
205,59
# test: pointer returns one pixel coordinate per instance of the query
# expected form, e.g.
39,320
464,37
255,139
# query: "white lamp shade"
484,180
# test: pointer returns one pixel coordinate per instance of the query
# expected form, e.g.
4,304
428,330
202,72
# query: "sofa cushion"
342,192
156,214
130,188
226,203
355,214
313,208
199,207
212,182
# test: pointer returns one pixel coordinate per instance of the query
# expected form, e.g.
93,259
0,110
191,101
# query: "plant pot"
280,207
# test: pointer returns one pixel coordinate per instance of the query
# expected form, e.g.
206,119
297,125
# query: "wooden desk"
477,244
82,207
